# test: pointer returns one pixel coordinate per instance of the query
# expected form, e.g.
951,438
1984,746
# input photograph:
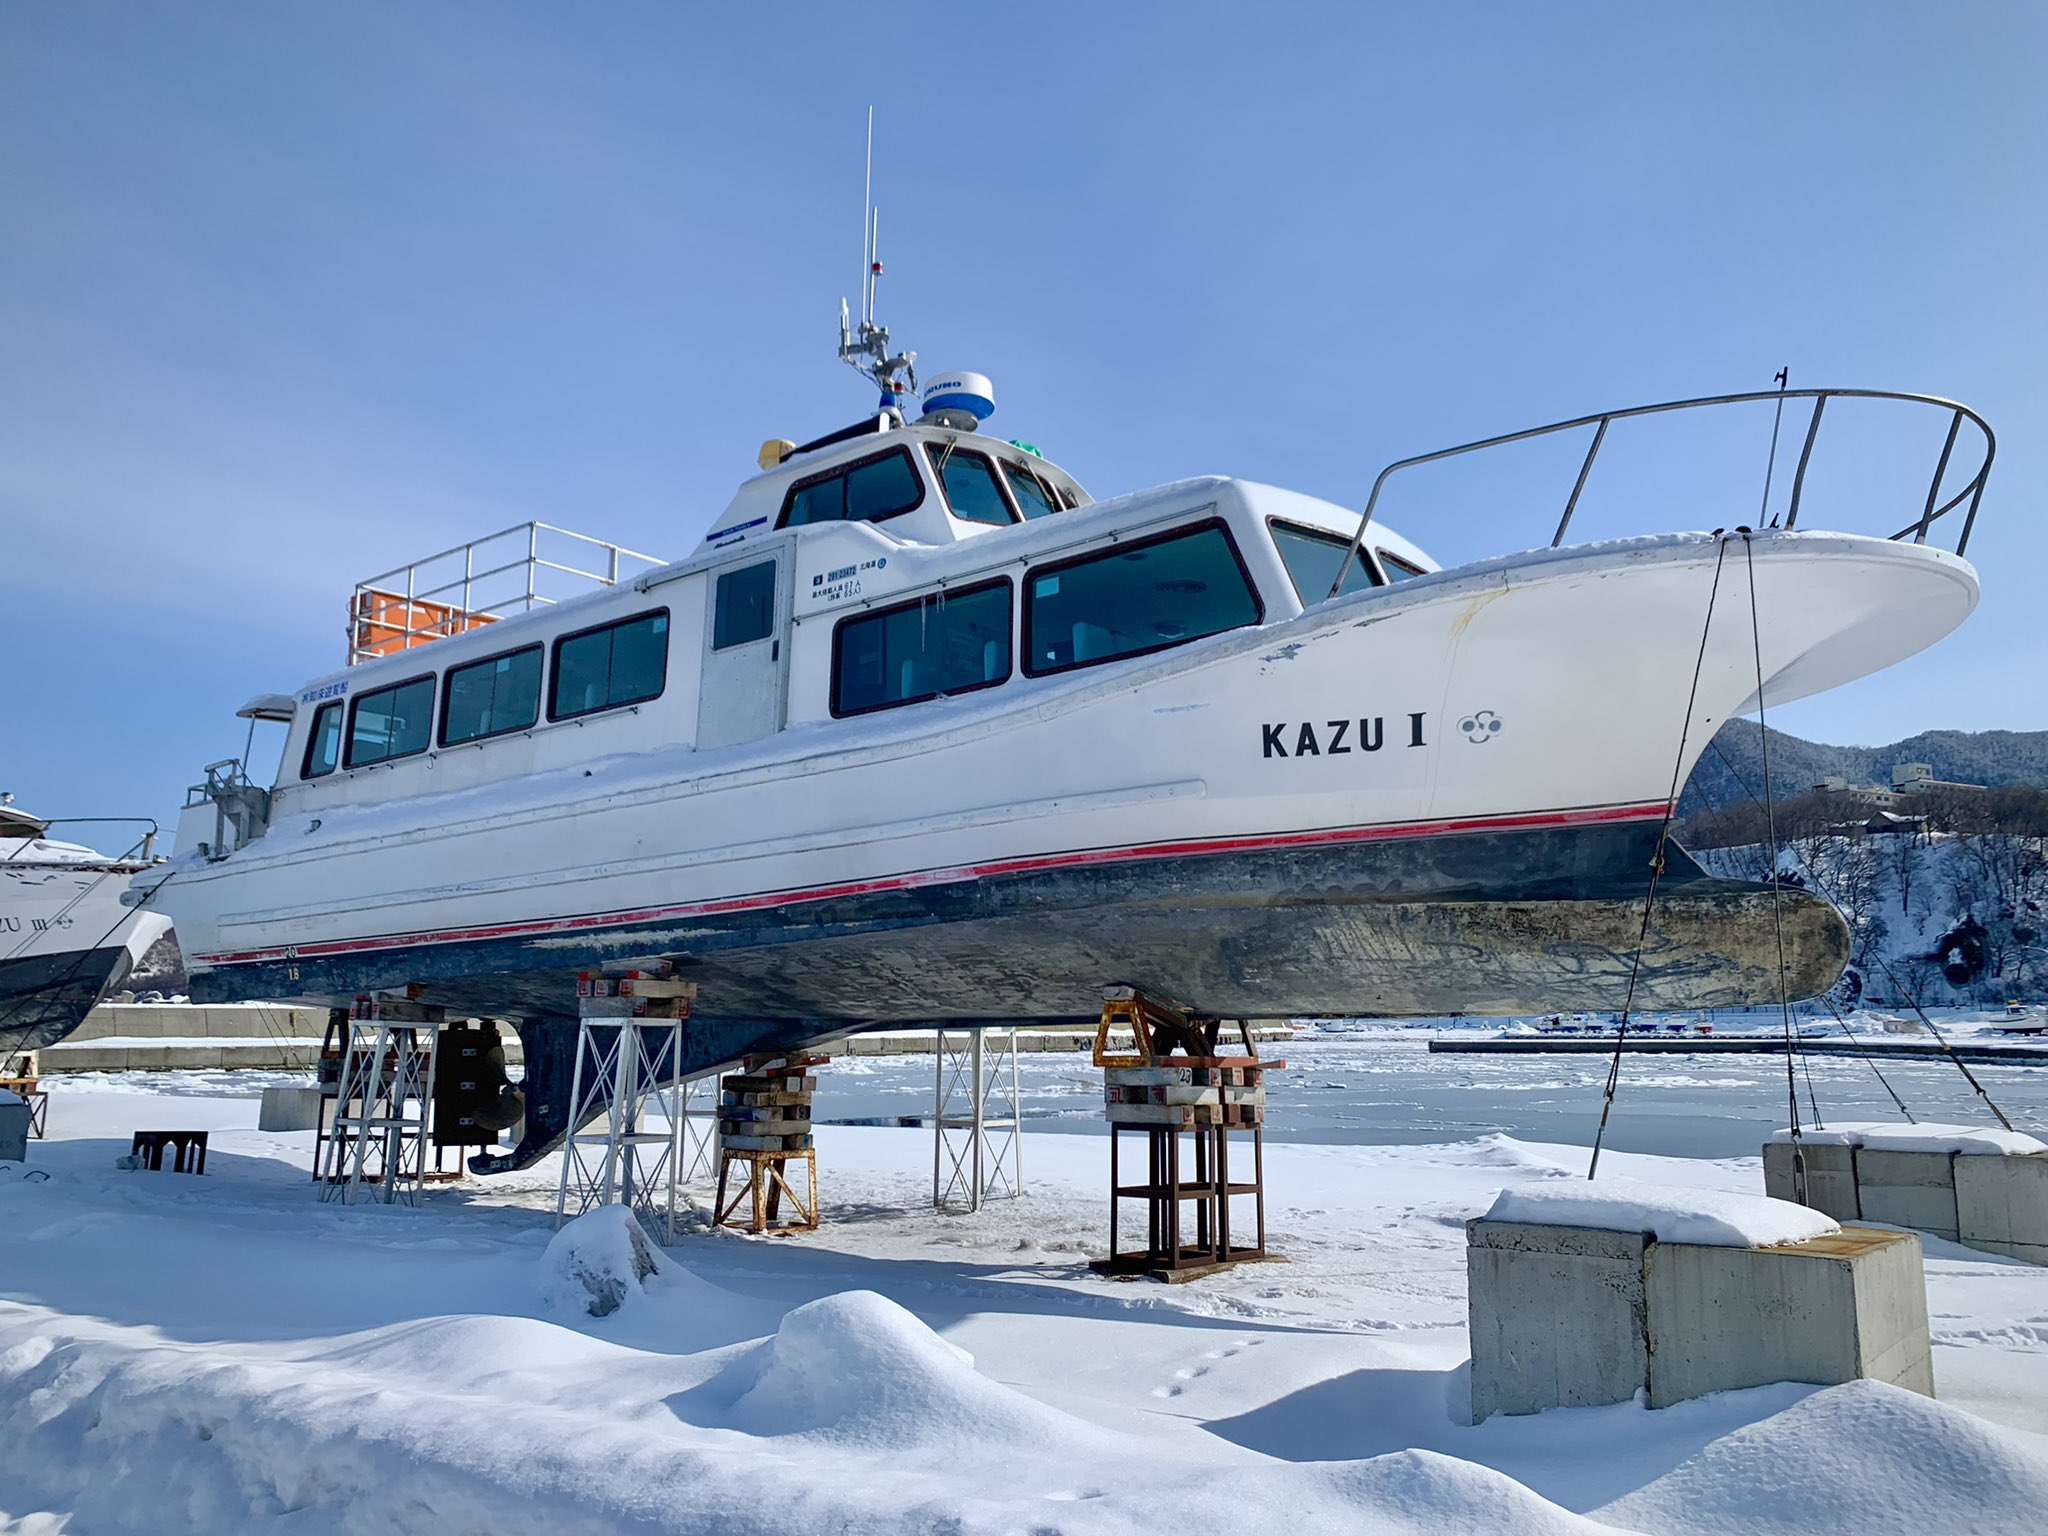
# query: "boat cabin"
885,570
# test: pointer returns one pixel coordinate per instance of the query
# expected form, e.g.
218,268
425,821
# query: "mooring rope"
1657,858
1777,910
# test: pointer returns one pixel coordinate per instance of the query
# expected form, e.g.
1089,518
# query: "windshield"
1312,559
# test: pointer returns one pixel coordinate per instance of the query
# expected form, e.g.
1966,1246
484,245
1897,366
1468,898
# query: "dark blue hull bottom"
44,997
1487,922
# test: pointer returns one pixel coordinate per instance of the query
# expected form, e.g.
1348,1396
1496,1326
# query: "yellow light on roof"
774,451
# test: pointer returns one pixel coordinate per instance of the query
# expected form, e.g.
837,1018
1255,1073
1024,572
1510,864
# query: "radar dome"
960,400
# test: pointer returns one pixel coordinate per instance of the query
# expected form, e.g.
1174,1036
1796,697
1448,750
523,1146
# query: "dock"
1889,1047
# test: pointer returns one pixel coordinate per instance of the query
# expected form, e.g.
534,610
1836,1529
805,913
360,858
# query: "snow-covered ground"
224,1355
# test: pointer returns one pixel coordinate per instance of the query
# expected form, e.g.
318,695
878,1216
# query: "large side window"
391,722
970,482
744,606
865,492
323,742
1313,557
1134,598
950,642
492,696
604,668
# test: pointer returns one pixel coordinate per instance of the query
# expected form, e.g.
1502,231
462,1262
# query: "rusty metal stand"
1200,1096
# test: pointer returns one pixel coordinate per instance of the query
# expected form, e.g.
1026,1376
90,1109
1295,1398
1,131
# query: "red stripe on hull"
1531,821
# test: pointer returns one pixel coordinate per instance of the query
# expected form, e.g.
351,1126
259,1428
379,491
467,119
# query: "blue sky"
292,292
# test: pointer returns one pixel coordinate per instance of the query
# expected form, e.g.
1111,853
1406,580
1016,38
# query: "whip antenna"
866,349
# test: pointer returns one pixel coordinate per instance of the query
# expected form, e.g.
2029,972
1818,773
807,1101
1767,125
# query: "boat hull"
1500,917
43,998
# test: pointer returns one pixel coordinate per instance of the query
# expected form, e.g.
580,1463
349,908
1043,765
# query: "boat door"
746,664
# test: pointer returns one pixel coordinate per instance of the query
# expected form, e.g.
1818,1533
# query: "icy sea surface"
1351,1087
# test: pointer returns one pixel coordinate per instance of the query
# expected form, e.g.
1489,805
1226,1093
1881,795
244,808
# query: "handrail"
1934,510
417,614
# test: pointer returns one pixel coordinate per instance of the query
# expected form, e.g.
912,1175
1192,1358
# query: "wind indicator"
866,349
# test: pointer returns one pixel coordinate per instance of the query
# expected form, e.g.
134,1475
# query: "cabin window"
744,607
950,642
323,742
1033,499
971,486
391,722
604,668
1398,569
865,492
1312,559
490,697
1134,598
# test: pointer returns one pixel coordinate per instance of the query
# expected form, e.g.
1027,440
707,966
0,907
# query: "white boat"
922,732
66,937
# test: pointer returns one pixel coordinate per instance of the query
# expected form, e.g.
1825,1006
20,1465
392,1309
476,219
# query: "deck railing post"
1805,453
1585,469
1955,425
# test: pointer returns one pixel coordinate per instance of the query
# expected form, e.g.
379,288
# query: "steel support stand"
628,1047
376,1150
977,1119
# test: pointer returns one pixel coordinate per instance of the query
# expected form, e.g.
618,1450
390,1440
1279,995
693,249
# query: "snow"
1671,1214
1885,1136
226,1355
594,1263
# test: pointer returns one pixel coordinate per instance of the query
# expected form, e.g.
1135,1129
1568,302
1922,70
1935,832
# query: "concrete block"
289,1109
14,1133
2002,1204
1557,1316
1908,1189
1828,1310
1830,1177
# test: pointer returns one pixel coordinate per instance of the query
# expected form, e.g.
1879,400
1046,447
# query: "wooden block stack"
1229,1091
767,1108
636,994
764,1127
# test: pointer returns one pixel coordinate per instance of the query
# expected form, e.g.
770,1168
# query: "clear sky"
291,293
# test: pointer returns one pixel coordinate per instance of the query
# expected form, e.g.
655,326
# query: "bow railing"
1932,512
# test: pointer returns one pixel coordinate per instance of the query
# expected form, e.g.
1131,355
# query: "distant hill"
1732,769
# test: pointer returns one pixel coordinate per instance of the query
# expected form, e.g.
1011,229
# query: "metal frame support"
629,1048
376,1148
977,1119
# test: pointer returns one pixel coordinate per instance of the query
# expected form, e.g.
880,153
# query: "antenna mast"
866,350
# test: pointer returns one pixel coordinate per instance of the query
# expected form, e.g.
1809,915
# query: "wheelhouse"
887,568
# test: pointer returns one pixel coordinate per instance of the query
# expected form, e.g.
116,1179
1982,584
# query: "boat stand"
764,1127
977,1119
1187,1107
377,1147
628,1045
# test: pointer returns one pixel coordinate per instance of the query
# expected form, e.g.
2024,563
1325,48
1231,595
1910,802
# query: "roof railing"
1934,510
514,570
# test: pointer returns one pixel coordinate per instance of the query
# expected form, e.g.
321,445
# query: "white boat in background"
923,732
67,938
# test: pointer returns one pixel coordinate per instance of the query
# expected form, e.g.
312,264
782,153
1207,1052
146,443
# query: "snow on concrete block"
597,1262
1670,1213
1830,1176
1908,1189
14,1114
2002,1204
289,1109
1556,1314
1909,1136
1847,1306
